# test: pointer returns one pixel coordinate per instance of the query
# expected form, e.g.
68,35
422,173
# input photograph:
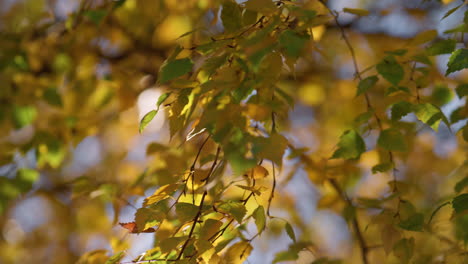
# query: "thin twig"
195,220
215,162
272,194
355,223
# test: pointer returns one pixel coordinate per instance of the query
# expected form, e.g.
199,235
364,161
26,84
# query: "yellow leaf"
160,194
258,172
262,6
257,112
424,37
238,253
356,11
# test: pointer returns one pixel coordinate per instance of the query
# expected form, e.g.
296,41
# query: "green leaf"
147,119
116,258
236,209
231,16
413,223
461,185
25,178
173,69
351,146
52,97
186,211
390,70
212,64
404,250
441,47
289,255
460,203
293,42
290,231
461,227
441,95
462,90
259,216
356,11
396,89
366,84
162,98
382,167
96,15
326,261
451,11
398,52
401,109
458,114
458,61
364,117
430,115
392,140
24,115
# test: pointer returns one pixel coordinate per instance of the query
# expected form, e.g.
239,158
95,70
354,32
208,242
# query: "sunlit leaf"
147,118
25,178
24,115
260,220
441,47
160,194
258,172
238,253
351,146
289,255
430,115
116,258
356,11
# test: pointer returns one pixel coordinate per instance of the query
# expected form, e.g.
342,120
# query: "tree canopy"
222,131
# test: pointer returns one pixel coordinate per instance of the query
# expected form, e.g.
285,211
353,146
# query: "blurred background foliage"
77,77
